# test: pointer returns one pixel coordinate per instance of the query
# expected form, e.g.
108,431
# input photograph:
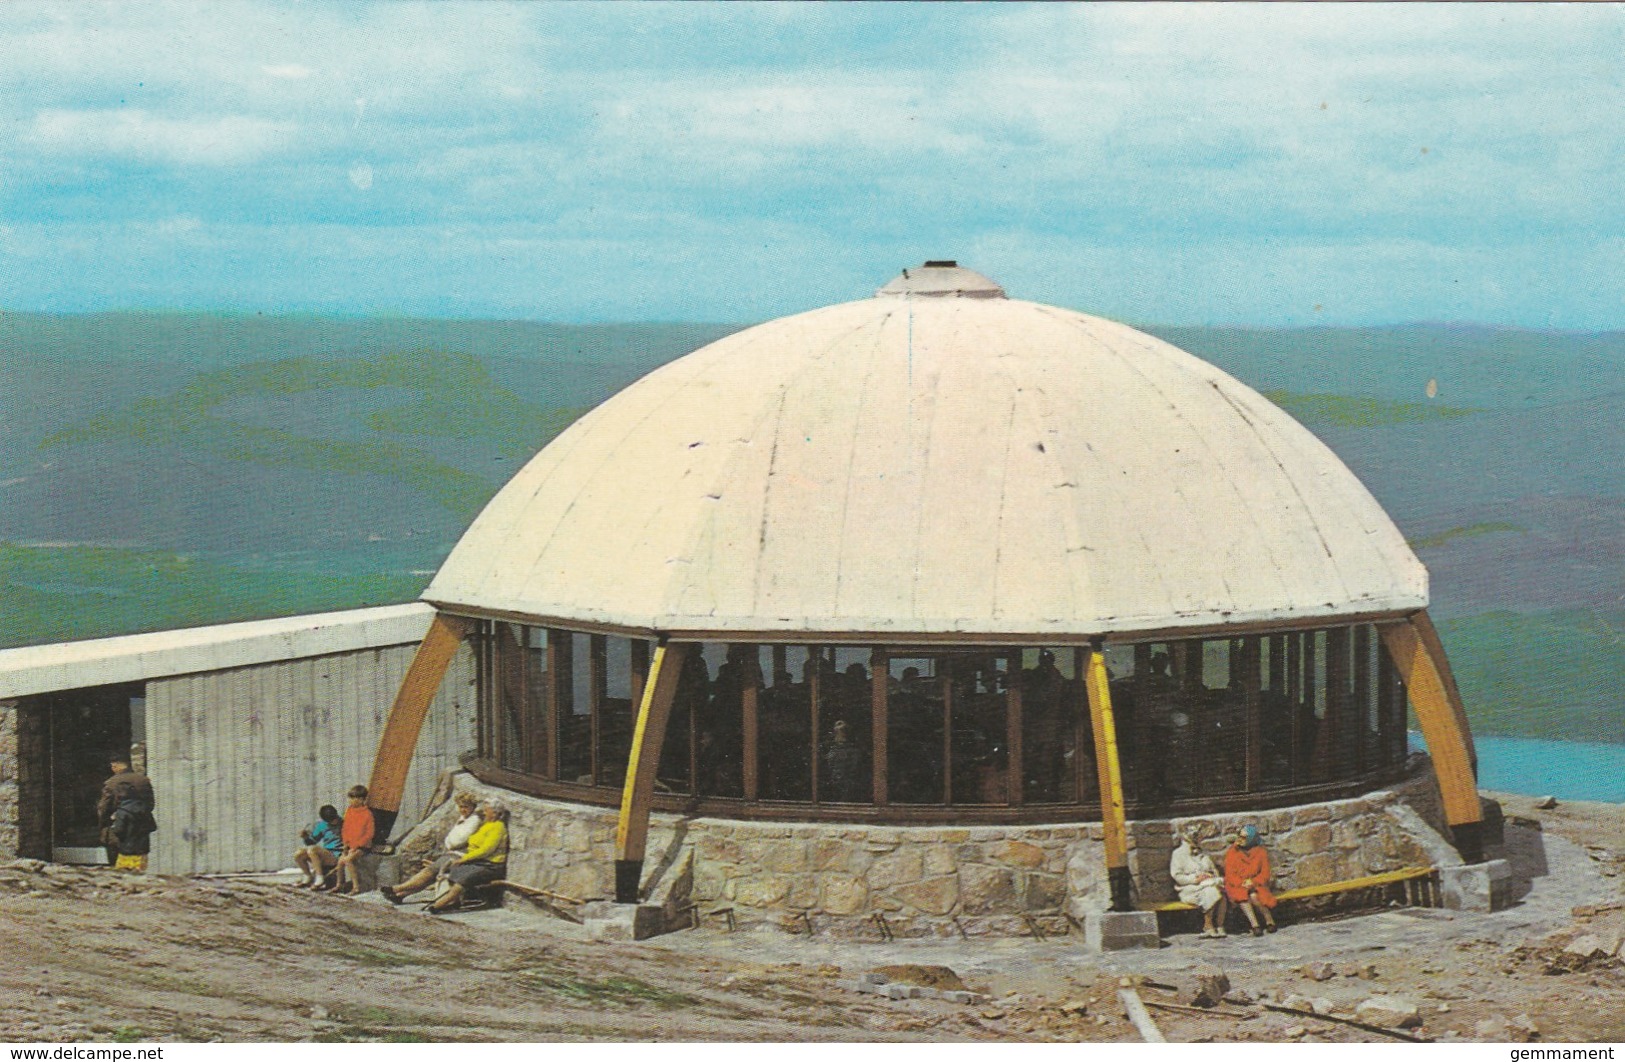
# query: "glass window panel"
618,716
1051,703
720,732
845,711
785,725
915,762
574,724
980,747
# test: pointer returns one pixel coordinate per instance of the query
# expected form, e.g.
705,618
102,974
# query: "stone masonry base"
919,881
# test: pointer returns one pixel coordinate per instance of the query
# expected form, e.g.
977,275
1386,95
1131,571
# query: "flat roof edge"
192,650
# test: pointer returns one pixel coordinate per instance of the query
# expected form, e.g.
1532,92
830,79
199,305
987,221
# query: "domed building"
917,607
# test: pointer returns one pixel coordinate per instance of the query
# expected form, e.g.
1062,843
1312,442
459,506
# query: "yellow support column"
1110,774
1444,728
400,737
648,736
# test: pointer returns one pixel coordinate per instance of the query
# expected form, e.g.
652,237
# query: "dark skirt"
473,875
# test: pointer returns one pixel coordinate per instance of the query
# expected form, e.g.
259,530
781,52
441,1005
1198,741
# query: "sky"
1186,164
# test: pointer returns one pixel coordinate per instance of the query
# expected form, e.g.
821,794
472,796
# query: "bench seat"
1392,877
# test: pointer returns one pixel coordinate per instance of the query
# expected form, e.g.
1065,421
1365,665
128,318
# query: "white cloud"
288,71
361,176
131,133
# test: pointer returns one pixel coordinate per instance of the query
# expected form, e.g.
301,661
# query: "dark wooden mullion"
879,724
1294,698
815,674
1082,727
1338,724
1362,695
1014,787
947,666
1250,651
559,679
597,690
748,659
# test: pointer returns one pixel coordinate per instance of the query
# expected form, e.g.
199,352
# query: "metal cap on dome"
941,279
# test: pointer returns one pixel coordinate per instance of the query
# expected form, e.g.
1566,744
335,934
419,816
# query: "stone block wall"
8,779
24,818
941,880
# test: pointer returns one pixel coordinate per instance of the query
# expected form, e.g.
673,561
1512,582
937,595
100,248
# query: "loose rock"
1319,971
1389,1012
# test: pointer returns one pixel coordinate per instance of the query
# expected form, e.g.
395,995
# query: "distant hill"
161,470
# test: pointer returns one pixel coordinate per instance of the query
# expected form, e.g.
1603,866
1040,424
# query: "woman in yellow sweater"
484,861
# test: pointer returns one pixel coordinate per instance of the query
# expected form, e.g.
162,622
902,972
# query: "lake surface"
1568,770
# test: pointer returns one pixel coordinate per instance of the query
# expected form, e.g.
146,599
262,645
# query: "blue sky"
576,162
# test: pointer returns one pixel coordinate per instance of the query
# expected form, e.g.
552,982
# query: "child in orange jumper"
357,835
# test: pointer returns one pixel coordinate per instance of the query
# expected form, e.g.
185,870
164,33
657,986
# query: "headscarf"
1249,835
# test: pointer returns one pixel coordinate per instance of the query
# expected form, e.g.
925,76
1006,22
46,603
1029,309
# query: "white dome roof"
909,466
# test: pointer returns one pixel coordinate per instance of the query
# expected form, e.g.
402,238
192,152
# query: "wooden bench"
1421,889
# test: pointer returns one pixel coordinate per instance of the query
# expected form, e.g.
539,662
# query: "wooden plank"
1441,728
1110,773
406,714
1371,881
879,725
1014,789
1134,1009
648,737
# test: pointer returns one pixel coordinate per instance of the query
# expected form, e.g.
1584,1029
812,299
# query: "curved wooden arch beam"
1110,775
400,737
1445,731
1435,647
648,737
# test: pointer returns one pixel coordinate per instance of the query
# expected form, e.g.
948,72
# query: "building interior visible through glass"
945,733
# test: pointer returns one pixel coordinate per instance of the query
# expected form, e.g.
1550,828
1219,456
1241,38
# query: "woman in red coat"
1247,878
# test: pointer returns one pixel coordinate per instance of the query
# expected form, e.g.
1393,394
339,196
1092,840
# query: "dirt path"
96,957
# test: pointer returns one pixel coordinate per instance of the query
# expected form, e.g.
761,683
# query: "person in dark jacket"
127,837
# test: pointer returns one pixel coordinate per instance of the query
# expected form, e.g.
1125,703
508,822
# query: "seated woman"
1247,878
1198,883
456,844
483,862
321,850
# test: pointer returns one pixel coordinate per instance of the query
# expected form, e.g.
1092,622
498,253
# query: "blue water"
1568,770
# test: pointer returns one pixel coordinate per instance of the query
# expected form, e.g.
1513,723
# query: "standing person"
456,844
1247,878
1198,883
323,846
484,861
356,833
132,791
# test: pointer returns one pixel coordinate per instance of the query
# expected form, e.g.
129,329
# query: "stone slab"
618,922
1120,930
1483,886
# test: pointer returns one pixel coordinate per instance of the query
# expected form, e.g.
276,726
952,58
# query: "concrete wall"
939,880
241,759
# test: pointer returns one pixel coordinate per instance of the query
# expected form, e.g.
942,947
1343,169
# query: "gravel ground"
95,956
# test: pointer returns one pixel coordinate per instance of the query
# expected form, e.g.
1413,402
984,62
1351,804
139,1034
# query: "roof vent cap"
942,278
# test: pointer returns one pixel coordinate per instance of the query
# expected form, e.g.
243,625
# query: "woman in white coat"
1199,883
